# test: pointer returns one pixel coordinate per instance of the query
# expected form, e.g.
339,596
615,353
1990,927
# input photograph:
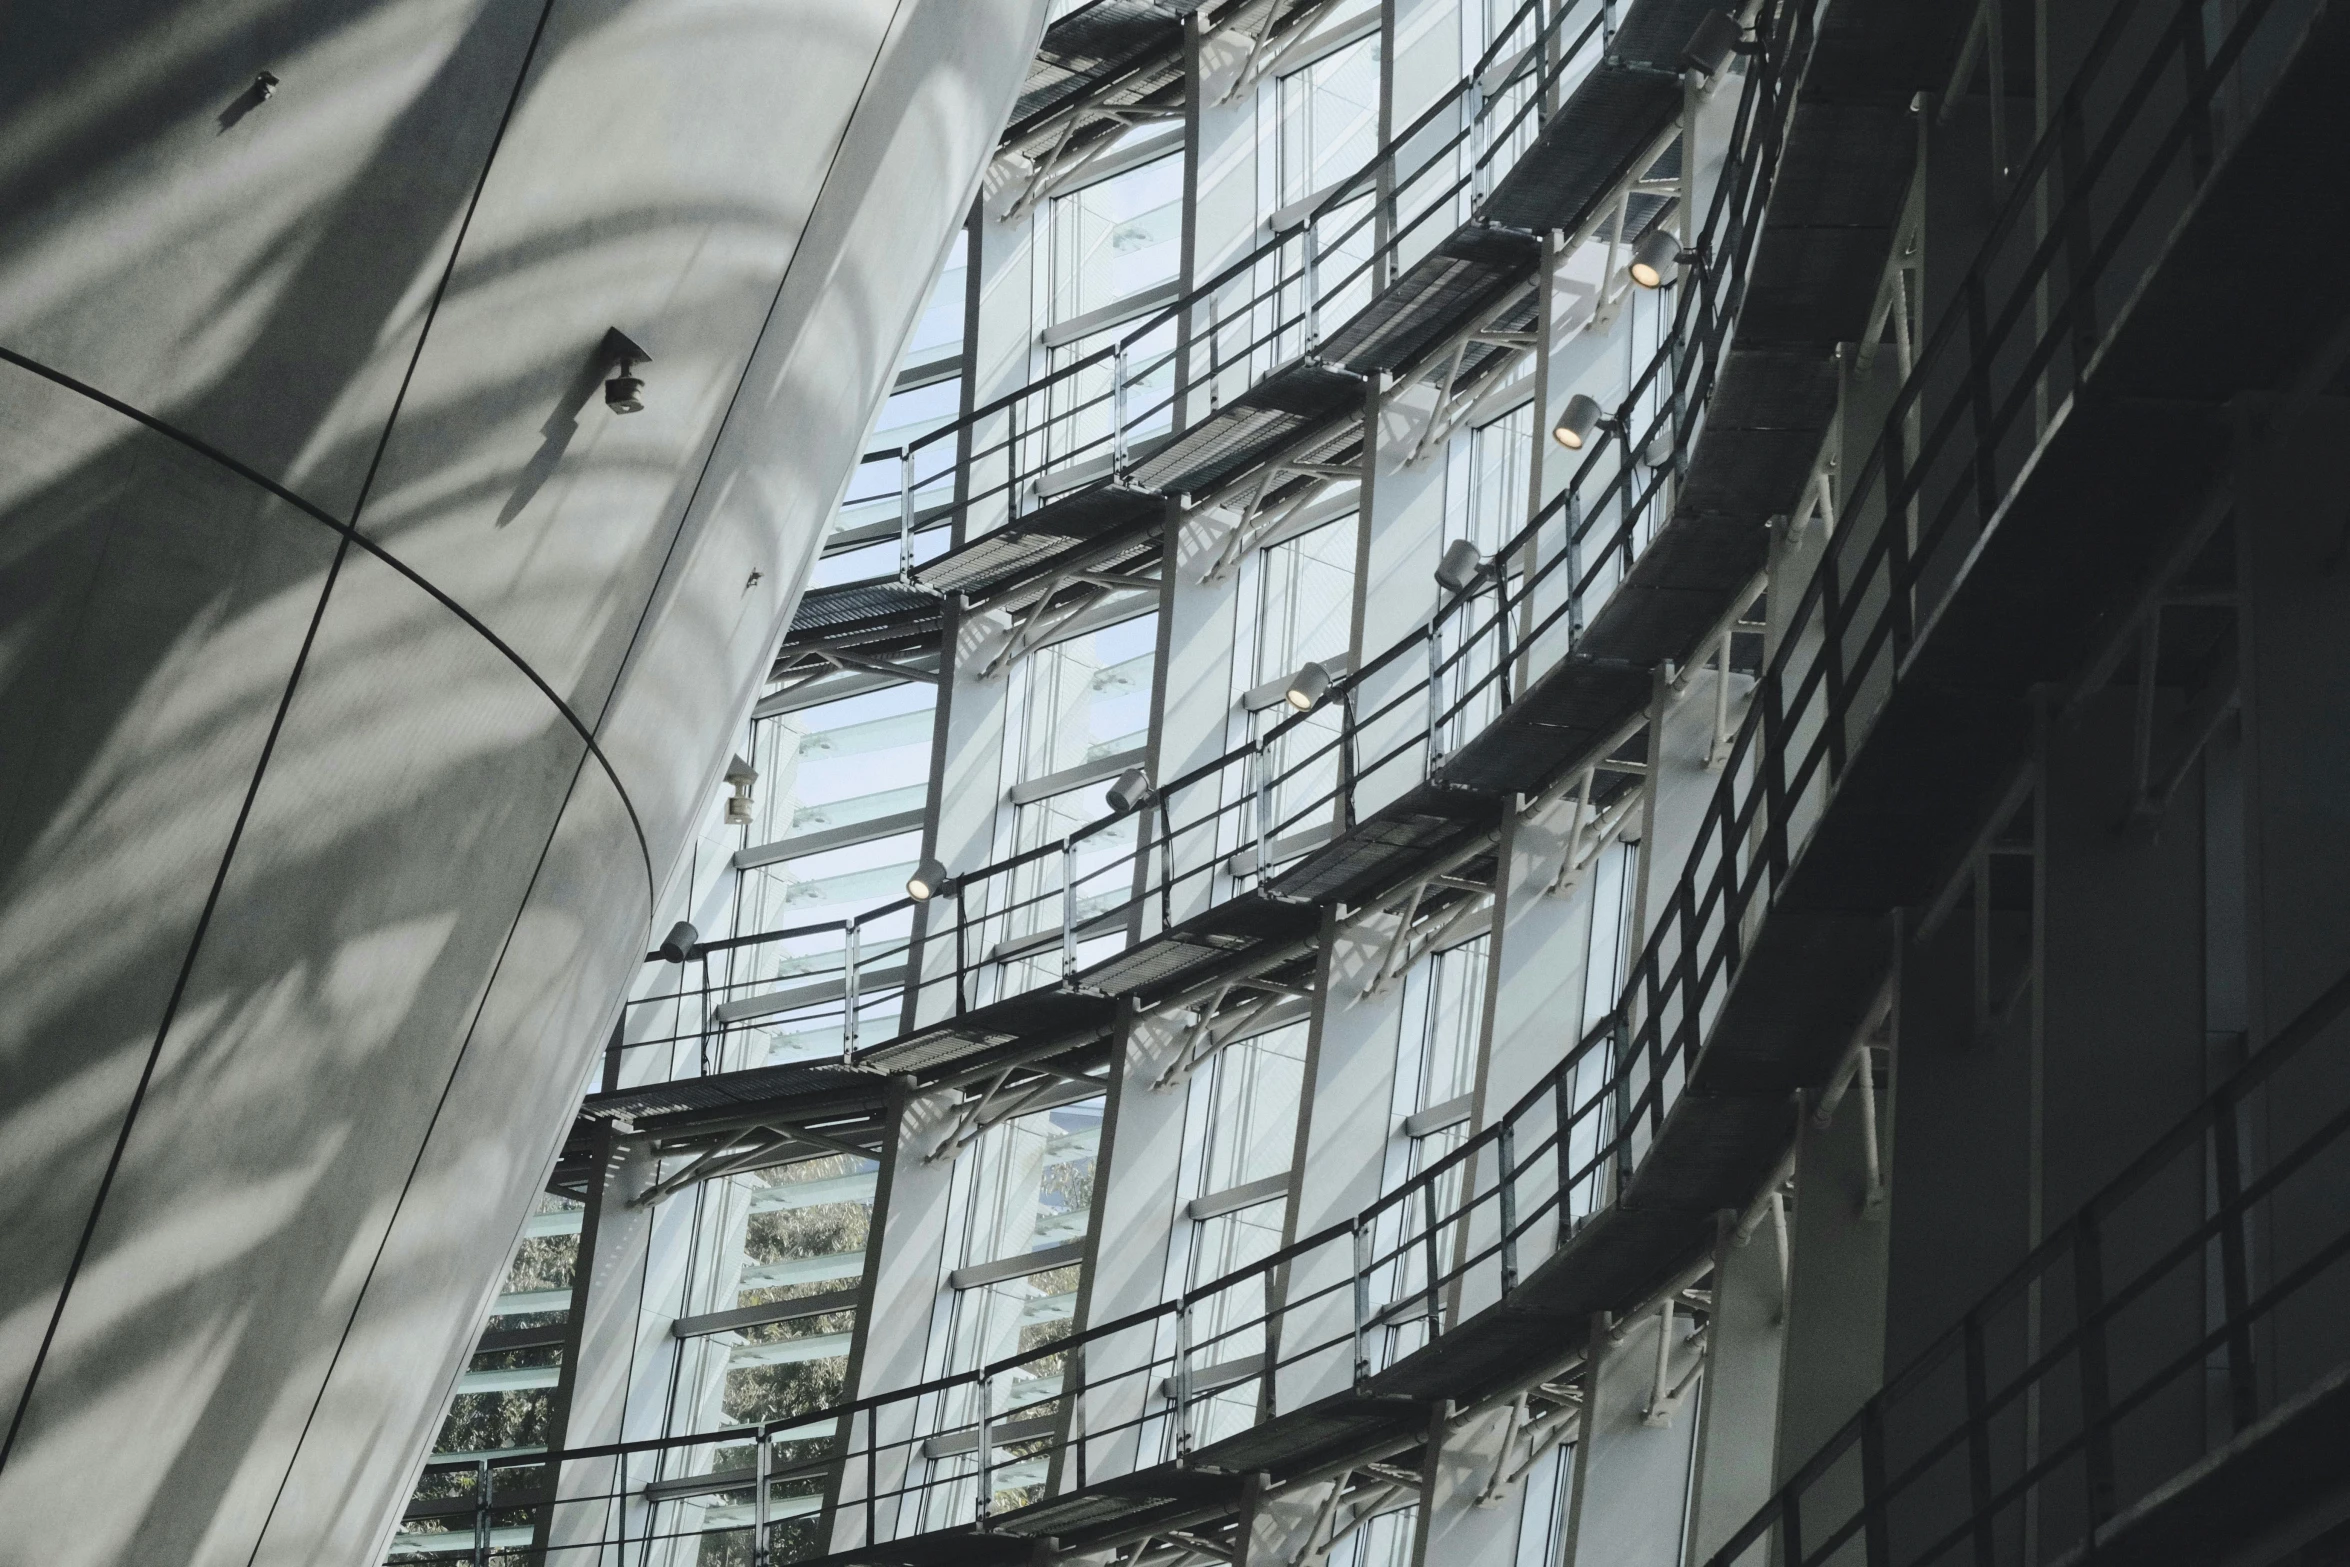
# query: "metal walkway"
1891,712
1579,705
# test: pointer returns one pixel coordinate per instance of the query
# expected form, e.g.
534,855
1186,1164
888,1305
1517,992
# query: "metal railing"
1141,384
1331,1311
2064,1391
1225,829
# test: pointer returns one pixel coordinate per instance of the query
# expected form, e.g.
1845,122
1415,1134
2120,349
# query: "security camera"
624,393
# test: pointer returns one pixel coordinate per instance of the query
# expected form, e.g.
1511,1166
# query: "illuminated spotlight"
928,881
1307,688
1460,568
1577,423
1132,789
1655,259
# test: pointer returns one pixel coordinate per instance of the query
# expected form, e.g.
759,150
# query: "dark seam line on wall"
348,534
349,531
701,475
352,534
384,1240
130,1114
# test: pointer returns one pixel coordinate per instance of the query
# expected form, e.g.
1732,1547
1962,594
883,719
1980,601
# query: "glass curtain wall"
1303,589
864,540
1079,713
1114,252
1240,1131
1022,1209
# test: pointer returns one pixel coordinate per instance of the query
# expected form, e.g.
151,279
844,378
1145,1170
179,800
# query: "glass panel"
1029,1188
1084,698
804,1233
1251,1104
1115,238
1305,610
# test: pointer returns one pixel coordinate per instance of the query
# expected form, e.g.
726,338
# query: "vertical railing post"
1979,397
1118,409
986,1497
1262,788
873,1474
1180,1382
1074,1391
481,1514
906,515
2081,292
1435,687
1012,458
962,958
1428,1241
2096,1402
1506,1195
1313,284
1772,765
1620,1075
1832,629
1563,1098
763,1458
1362,1302
1166,864
1215,348
1791,1529
1474,99
1900,513
1878,1538
2196,62
2234,1272
1069,910
848,994
1349,741
1572,514
1978,1443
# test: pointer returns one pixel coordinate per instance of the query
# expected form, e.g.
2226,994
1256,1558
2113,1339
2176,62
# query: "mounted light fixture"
624,393
1711,44
679,944
1307,688
1656,259
740,775
928,881
1132,789
1576,424
1461,568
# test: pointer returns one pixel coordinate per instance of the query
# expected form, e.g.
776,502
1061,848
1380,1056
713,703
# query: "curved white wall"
314,908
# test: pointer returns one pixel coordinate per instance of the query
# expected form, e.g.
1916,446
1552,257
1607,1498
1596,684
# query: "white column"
1631,1476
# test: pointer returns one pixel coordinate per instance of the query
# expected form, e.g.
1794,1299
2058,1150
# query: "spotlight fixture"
1655,259
1576,424
1307,687
679,944
624,393
740,775
1460,568
928,881
1132,789
264,87
1712,44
